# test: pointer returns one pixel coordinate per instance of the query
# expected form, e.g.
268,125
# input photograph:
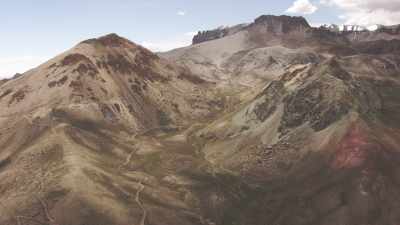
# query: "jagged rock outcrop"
209,35
203,36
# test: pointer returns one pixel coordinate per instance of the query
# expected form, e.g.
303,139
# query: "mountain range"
272,122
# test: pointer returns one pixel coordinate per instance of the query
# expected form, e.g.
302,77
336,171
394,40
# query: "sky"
33,31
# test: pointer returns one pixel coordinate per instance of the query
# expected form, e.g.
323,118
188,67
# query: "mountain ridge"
272,20
279,123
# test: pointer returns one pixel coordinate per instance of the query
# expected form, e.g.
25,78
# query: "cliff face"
281,24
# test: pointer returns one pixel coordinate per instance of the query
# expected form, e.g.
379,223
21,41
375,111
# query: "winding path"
137,199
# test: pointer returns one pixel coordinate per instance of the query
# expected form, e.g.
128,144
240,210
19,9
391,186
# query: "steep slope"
320,145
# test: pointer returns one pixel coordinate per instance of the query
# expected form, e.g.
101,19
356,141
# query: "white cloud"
302,7
316,24
367,12
169,43
12,65
181,13
191,34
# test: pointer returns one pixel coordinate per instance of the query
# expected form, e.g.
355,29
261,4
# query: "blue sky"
32,31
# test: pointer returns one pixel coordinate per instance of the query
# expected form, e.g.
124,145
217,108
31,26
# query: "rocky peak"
111,40
281,24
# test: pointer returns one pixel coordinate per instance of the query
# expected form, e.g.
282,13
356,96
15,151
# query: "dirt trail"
137,199
128,158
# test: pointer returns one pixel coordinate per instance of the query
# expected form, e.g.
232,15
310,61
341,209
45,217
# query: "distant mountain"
273,122
246,55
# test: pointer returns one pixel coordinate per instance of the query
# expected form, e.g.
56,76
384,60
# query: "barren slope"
298,126
70,138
